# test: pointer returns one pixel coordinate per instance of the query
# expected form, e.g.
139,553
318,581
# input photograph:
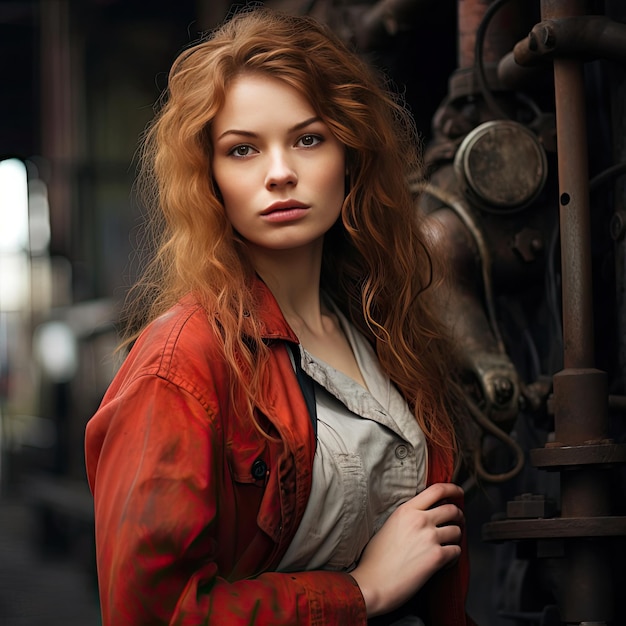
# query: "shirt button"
402,452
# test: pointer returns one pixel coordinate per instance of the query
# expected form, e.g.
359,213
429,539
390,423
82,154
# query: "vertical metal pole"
574,214
580,392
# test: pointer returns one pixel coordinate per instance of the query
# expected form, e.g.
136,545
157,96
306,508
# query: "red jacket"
194,508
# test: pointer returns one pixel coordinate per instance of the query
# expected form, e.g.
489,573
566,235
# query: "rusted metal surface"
594,36
575,217
605,454
556,528
589,36
467,302
502,165
580,405
587,591
617,181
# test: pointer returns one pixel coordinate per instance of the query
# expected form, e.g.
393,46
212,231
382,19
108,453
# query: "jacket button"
259,469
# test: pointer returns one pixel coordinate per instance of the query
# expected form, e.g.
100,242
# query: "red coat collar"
269,316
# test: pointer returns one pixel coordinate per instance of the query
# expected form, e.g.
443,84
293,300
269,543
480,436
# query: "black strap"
306,385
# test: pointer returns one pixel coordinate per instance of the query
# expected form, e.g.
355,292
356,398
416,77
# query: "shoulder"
182,347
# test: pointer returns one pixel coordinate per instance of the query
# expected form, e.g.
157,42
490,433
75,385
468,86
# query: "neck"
293,277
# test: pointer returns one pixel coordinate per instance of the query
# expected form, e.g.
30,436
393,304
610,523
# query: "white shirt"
371,456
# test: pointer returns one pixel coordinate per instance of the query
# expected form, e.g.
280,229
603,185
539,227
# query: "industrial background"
522,108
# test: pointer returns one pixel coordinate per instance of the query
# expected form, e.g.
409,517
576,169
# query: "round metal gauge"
501,165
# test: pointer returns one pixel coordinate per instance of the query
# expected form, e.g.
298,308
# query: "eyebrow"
293,129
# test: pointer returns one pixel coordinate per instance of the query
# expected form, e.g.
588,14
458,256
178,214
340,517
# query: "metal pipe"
587,593
594,36
591,36
574,203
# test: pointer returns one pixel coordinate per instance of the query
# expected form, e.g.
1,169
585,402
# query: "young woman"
277,447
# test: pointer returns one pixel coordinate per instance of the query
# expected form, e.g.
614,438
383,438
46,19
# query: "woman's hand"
420,537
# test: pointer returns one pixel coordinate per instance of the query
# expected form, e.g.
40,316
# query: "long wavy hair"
376,264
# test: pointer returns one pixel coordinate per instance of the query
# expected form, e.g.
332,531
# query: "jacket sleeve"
154,464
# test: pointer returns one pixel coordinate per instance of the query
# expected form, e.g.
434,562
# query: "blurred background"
80,79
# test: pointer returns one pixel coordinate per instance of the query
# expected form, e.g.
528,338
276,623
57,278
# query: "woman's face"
279,169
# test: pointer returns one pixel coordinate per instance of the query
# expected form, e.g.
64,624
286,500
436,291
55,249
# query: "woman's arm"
156,466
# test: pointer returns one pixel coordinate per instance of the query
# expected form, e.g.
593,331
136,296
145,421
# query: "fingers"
449,535
436,493
447,517
447,514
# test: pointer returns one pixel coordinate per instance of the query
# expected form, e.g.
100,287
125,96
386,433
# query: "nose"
280,171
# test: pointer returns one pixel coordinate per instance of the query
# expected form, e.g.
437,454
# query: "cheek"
227,186
335,181
234,212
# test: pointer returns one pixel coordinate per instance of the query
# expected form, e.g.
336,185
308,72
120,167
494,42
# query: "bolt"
617,226
549,38
536,244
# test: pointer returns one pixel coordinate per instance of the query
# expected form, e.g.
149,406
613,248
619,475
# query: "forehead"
254,101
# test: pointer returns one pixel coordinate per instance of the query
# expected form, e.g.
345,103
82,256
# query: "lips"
283,205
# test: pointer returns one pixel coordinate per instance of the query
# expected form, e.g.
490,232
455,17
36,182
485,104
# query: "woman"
257,458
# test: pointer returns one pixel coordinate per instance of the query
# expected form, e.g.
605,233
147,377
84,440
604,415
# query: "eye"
241,151
308,141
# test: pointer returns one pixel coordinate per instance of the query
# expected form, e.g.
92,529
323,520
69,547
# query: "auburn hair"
376,264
